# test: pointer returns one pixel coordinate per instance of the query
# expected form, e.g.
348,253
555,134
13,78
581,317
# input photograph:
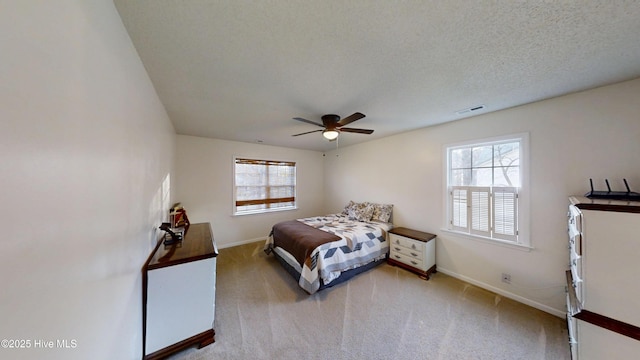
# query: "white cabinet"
602,280
179,287
413,250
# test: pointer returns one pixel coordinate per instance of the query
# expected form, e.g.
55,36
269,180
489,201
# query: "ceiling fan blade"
359,131
351,118
308,132
308,122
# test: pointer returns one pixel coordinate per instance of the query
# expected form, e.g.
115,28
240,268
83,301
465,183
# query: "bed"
323,251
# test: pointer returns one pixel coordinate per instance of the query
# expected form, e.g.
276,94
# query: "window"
486,196
264,185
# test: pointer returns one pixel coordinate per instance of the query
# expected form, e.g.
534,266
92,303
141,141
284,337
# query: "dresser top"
412,234
583,202
197,244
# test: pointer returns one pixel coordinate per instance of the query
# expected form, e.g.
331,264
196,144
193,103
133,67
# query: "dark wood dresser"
179,287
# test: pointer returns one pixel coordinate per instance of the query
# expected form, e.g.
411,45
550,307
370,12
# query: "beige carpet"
386,313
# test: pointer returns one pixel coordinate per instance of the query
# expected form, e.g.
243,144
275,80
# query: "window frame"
522,239
268,200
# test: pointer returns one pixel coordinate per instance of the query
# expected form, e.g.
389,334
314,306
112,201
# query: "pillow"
361,211
349,206
382,212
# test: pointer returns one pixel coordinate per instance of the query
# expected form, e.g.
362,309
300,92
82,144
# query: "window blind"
485,211
263,185
505,216
459,208
480,219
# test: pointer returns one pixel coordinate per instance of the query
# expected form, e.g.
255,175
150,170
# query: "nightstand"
413,250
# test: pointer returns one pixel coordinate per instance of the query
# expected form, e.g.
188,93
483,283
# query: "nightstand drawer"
409,260
408,244
411,253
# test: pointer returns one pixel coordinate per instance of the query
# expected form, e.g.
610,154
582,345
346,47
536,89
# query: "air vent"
470,110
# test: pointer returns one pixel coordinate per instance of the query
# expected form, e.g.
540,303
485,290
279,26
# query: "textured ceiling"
241,70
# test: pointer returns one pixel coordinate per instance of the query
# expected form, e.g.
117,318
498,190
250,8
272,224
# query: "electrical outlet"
506,278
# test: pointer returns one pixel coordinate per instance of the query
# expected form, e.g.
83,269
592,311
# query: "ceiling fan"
333,125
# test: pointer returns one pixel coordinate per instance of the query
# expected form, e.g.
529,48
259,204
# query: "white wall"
204,186
593,134
85,148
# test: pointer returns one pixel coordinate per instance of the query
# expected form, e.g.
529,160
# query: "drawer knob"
414,263
397,241
397,248
397,257
414,254
413,246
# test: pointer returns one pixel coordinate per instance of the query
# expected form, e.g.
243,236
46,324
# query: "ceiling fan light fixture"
330,134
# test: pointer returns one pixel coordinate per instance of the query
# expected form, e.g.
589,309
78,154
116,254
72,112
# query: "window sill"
263,212
486,240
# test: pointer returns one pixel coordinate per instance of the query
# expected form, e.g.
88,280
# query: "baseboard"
512,296
242,242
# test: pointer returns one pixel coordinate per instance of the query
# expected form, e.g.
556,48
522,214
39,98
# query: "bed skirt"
344,276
